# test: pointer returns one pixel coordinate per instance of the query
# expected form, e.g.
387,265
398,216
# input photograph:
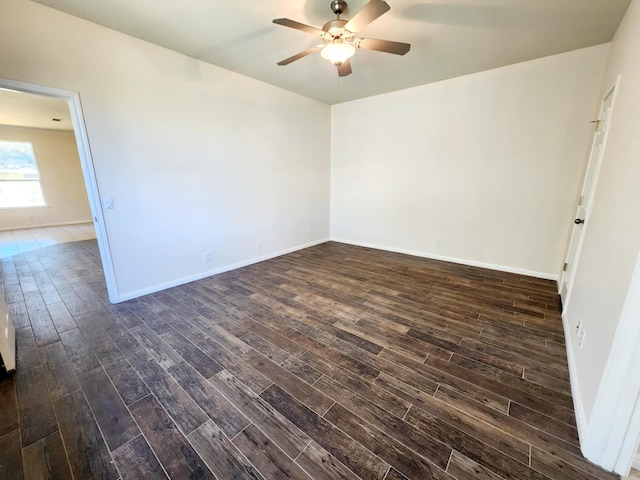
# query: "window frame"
39,179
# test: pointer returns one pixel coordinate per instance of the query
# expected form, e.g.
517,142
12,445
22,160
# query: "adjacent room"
44,199
416,260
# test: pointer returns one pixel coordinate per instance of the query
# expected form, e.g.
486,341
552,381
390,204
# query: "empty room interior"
320,240
38,128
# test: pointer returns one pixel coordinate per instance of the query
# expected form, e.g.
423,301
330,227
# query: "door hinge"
596,123
580,201
564,267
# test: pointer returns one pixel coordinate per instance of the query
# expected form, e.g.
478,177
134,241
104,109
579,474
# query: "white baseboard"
578,405
121,297
45,225
471,263
181,281
636,462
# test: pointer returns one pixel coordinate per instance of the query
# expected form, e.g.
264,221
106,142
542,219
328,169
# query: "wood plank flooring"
335,362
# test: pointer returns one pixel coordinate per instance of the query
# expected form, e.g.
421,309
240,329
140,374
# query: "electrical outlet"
437,243
259,244
583,334
307,232
206,256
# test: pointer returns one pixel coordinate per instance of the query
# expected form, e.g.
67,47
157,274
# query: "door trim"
88,171
613,433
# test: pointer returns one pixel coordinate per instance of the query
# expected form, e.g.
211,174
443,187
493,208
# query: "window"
19,176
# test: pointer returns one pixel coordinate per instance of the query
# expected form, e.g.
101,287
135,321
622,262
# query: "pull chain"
338,89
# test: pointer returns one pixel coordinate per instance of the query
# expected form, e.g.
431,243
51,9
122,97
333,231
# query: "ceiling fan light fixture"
340,36
338,52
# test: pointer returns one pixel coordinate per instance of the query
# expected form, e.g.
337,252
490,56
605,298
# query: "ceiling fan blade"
298,26
344,69
300,55
386,46
366,15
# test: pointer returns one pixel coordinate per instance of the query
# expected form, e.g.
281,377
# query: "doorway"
88,172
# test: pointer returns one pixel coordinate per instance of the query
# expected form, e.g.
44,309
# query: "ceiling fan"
339,36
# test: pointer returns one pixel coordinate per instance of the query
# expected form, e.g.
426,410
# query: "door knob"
578,221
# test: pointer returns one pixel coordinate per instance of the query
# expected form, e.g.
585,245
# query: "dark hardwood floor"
335,362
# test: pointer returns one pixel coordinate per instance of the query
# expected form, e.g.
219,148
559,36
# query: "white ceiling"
448,38
20,109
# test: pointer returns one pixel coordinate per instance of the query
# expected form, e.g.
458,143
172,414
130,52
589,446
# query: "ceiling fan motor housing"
335,27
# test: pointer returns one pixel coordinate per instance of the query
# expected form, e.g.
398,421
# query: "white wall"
488,164
196,158
612,239
60,176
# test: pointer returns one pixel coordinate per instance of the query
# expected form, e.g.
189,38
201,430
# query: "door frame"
88,171
594,180
613,434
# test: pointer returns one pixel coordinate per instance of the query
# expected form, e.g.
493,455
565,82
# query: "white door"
585,203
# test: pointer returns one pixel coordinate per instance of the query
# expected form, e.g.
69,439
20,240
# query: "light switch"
108,203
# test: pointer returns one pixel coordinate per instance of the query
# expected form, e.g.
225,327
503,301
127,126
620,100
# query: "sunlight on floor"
14,242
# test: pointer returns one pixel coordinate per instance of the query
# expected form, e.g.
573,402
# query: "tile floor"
15,242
